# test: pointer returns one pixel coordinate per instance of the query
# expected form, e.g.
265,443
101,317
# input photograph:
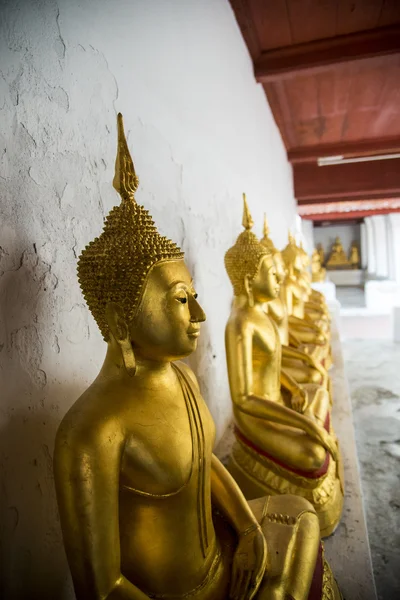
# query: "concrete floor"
373,372
350,297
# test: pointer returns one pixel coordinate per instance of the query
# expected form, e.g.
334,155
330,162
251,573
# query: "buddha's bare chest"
161,444
265,338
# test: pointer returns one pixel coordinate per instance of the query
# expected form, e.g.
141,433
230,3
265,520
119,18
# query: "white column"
364,246
394,245
381,254
307,235
370,247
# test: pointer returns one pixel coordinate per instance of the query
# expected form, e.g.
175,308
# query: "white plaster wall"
201,132
347,233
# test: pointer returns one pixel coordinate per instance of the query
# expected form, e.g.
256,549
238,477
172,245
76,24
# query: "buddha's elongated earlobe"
119,329
249,291
128,356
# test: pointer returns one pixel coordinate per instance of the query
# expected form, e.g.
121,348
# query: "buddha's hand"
328,442
299,400
249,564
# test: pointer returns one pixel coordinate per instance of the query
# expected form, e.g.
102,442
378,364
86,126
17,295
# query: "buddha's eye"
182,299
195,296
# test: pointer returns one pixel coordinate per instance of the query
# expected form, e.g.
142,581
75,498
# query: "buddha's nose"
197,314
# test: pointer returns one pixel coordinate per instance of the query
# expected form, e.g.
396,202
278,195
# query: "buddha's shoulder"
92,414
241,320
186,370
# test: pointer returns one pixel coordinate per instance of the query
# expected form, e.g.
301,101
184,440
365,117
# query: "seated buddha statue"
337,258
318,273
315,305
300,365
312,332
354,258
147,510
283,437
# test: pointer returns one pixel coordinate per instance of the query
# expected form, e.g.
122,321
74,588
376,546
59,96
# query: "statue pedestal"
346,277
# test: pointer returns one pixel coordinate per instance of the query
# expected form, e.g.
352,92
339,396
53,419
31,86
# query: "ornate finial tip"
266,227
125,180
247,220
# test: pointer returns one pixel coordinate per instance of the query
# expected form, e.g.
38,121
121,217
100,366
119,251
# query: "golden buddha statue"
354,258
316,305
300,365
318,273
283,436
311,333
337,258
147,511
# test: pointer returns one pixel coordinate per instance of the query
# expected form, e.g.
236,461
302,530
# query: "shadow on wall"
32,561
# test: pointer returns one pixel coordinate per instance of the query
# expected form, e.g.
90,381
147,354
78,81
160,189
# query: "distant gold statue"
146,510
300,365
354,257
318,273
337,258
283,441
311,329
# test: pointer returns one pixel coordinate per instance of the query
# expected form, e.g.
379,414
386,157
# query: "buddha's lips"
193,333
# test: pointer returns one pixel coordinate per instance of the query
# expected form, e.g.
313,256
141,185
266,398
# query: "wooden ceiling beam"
351,181
291,60
372,147
356,215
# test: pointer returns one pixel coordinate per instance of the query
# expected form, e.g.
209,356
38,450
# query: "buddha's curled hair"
245,255
114,266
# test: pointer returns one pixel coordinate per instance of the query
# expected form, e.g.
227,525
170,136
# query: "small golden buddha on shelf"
284,442
337,258
354,258
147,510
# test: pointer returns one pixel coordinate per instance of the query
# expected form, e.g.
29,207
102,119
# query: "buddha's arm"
86,475
271,411
315,306
293,340
288,352
229,499
297,291
303,324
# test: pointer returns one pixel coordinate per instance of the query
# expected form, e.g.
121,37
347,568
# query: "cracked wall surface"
201,133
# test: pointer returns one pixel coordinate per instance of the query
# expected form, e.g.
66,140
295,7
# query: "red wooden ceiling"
331,73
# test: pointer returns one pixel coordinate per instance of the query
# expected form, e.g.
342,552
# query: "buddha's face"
265,286
298,263
167,323
280,268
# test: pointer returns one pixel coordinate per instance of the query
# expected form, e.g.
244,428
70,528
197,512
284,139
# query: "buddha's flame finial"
247,220
291,238
266,226
125,180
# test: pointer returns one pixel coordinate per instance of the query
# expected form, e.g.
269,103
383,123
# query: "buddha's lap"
286,444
